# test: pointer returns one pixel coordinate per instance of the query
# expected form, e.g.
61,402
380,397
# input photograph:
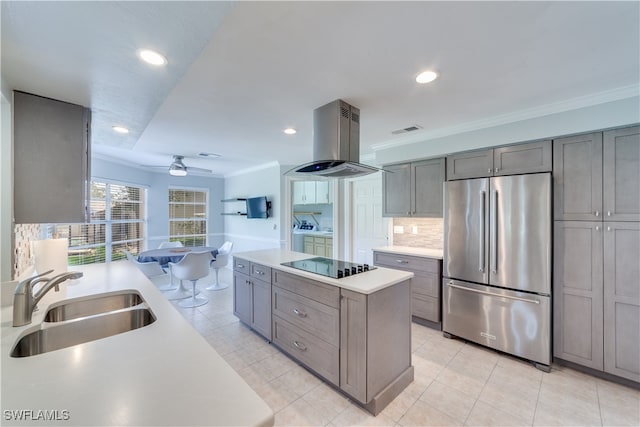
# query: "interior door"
466,230
520,232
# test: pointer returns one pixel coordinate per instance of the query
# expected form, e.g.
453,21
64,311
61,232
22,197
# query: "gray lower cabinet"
597,295
597,176
51,160
622,299
252,295
359,343
514,159
425,285
414,189
578,292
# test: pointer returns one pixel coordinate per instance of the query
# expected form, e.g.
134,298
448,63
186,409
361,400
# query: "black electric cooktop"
328,267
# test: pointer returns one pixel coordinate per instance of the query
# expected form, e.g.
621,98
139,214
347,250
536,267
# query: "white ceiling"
240,72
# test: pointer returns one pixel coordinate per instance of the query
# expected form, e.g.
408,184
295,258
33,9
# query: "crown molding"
616,94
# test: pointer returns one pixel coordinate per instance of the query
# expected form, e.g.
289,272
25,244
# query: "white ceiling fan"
178,168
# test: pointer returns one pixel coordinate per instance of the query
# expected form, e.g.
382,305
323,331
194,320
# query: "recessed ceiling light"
120,129
426,77
290,131
152,57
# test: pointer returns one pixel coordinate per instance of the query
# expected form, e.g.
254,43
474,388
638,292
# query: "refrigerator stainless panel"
466,228
520,224
514,322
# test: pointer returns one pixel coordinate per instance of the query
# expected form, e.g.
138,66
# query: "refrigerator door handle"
464,288
481,257
494,234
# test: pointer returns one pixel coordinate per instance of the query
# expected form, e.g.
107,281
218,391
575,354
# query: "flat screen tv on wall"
257,207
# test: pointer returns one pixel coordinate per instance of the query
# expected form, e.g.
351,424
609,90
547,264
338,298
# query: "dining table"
166,255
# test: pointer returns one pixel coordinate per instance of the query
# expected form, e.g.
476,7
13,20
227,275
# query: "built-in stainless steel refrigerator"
497,263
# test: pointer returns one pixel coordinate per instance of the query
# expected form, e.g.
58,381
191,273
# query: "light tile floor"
455,383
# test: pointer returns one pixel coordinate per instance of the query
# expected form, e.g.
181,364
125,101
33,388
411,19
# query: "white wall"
253,234
6,189
158,197
606,115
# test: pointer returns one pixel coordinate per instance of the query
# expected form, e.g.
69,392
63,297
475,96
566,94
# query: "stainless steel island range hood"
336,143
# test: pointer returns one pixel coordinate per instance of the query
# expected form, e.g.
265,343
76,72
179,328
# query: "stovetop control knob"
354,270
340,274
360,269
347,272
366,267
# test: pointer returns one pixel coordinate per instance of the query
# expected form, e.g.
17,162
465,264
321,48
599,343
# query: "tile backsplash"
418,232
24,234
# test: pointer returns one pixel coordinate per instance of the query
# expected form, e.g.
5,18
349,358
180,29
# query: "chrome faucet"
25,300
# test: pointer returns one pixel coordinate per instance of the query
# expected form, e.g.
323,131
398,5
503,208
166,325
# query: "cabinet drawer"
241,265
406,262
425,307
316,354
320,292
427,284
319,319
261,272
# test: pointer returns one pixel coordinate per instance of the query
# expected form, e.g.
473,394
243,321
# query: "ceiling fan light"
177,169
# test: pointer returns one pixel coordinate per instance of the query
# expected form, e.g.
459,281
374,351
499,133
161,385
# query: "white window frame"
206,210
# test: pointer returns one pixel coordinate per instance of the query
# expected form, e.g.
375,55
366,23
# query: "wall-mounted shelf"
236,199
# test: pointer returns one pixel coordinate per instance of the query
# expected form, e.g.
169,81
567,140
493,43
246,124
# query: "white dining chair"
151,269
170,245
194,266
221,260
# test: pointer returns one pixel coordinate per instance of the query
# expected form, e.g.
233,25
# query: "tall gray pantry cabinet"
597,251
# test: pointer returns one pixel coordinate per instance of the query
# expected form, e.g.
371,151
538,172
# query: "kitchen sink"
81,330
83,307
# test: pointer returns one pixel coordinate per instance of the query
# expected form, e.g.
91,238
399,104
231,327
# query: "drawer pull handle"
240,265
402,261
300,346
299,313
260,272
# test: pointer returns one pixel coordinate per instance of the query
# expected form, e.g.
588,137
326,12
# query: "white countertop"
364,283
161,374
407,250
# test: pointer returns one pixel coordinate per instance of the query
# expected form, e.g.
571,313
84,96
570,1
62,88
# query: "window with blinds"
188,216
117,223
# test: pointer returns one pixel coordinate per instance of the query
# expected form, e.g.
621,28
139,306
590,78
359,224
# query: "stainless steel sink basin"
83,307
67,334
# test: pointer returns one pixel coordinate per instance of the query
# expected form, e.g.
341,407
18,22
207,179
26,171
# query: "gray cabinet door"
622,299
621,174
427,178
523,158
242,297
353,344
578,293
474,164
396,190
261,304
577,177
51,158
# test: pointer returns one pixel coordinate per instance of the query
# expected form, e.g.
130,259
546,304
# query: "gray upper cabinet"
597,176
577,176
507,160
51,160
622,299
474,164
523,158
414,189
578,293
621,174
396,191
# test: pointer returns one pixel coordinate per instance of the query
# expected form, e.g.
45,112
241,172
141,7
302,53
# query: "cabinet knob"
608,213
299,313
489,171
497,169
402,261
239,265
608,228
408,213
596,213
597,228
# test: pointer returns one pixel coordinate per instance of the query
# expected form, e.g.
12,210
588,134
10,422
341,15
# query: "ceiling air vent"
411,128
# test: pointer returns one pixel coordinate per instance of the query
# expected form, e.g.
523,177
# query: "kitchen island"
164,373
354,332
